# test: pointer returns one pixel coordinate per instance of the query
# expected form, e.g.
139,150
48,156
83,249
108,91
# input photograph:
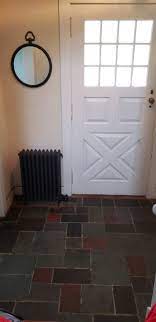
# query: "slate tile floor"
88,260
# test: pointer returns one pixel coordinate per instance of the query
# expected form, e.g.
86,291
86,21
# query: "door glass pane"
91,54
141,54
92,31
144,31
139,77
108,54
125,54
126,31
91,76
107,76
109,31
123,77
117,52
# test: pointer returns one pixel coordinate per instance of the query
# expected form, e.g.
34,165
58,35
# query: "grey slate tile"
37,311
142,284
107,202
24,242
116,318
109,269
123,202
7,306
7,240
13,214
142,302
95,214
34,212
72,276
56,227
124,300
43,292
73,243
119,228
14,287
16,264
74,218
77,259
97,299
142,215
30,224
50,261
94,230
74,317
48,243
74,230
91,202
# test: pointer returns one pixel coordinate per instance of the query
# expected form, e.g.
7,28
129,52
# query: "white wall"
151,193
33,115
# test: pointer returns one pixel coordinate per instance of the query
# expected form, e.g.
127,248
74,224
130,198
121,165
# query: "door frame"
66,99
65,23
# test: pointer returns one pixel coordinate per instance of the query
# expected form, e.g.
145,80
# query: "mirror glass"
31,65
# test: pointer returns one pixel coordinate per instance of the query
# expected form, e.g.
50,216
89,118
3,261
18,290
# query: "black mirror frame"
47,55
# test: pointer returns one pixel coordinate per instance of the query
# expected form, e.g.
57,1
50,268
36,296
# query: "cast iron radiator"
41,175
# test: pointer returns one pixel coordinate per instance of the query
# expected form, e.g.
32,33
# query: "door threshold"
108,196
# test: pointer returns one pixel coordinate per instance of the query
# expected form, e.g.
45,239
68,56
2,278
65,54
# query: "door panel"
112,56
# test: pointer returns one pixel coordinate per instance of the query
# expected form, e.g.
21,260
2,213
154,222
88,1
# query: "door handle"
151,100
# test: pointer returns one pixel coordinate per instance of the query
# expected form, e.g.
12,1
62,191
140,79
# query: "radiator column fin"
41,175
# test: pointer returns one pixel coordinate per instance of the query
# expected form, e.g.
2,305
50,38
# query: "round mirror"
31,65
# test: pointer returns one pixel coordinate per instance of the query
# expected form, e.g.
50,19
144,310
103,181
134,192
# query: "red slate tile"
43,275
94,243
136,265
70,298
53,217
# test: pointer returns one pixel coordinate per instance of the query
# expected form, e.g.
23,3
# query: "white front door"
113,70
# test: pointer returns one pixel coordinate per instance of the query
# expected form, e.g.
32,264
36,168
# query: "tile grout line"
14,246
81,298
45,222
134,295
14,307
133,224
113,299
52,274
139,202
59,302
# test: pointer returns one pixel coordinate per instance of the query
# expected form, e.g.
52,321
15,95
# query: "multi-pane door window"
116,52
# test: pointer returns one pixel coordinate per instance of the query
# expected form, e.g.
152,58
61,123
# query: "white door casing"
112,126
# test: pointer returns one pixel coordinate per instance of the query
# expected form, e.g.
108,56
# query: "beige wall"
33,115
